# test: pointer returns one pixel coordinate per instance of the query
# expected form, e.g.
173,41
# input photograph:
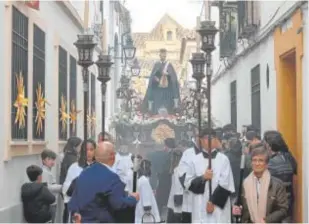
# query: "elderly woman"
264,198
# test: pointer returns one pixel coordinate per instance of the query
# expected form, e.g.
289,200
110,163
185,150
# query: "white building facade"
263,82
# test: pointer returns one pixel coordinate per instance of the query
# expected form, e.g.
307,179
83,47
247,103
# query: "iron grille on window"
92,103
255,97
19,66
233,94
73,94
38,81
62,93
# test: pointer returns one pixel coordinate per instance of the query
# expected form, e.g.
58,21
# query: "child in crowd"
36,198
174,203
48,159
147,208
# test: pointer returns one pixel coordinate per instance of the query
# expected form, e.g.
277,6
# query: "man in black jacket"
36,197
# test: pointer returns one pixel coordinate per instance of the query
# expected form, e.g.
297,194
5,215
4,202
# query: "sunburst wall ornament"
21,101
161,133
40,109
73,115
91,118
63,114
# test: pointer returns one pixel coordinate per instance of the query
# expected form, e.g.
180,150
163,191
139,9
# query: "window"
62,94
169,35
233,94
38,81
93,103
19,66
255,97
73,95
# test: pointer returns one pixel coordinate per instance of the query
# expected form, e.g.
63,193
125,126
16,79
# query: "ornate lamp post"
85,45
208,32
124,92
104,63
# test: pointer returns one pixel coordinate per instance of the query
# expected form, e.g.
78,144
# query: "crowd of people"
203,183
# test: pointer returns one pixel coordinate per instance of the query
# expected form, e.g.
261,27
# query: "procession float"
145,121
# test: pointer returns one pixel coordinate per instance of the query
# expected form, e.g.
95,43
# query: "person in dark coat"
70,156
164,175
282,165
36,198
99,196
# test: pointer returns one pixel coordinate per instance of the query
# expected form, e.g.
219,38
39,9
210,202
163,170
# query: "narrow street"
172,95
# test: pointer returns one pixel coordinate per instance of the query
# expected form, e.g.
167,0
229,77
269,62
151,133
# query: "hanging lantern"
129,49
135,68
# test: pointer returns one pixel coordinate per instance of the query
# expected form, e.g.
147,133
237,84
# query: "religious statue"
163,87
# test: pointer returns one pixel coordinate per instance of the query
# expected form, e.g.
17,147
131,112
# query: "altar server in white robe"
185,167
146,209
175,200
123,163
217,207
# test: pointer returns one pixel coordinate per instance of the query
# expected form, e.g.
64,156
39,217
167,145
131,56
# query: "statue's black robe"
161,97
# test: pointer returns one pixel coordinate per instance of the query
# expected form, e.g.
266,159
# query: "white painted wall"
263,55
271,11
59,30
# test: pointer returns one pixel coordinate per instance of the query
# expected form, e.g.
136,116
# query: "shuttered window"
62,93
38,82
73,93
256,97
19,66
233,95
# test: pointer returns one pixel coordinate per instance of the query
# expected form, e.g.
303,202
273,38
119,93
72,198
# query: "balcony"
228,28
248,18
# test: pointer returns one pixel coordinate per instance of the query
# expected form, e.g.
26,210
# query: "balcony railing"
228,28
248,18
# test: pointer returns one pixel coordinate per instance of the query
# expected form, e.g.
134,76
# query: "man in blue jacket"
99,195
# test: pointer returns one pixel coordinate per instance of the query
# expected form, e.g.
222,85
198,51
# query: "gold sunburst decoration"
91,118
162,132
40,109
21,102
64,116
73,115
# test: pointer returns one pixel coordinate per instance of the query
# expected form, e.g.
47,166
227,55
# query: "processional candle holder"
85,45
208,32
104,64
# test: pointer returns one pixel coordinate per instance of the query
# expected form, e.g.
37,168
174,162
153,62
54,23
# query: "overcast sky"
146,13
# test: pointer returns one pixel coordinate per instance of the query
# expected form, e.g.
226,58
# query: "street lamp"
129,49
85,45
208,32
104,63
135,68
198,65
